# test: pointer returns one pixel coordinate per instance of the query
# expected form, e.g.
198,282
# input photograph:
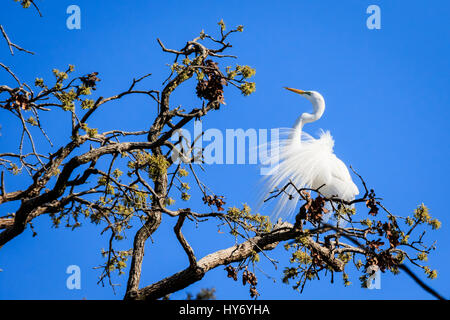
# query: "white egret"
307,162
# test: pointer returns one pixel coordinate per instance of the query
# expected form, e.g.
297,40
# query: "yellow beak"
295,90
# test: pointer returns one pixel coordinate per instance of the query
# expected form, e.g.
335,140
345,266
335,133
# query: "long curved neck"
318,107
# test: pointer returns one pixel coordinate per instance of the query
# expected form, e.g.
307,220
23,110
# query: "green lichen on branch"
25,3
379,244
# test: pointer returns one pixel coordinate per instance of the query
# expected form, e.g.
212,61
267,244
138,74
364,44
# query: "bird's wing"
307,163
304,162
347,189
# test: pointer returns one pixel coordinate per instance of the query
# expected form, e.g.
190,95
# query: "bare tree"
118,179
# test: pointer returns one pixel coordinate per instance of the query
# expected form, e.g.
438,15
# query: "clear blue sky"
387,108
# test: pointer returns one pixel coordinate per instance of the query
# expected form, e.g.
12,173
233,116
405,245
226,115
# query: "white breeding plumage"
307,162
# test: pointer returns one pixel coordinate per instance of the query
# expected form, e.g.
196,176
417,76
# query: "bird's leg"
298,222
300,218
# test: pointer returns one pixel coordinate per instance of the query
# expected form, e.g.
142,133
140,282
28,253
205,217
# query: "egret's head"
312,96
317,102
